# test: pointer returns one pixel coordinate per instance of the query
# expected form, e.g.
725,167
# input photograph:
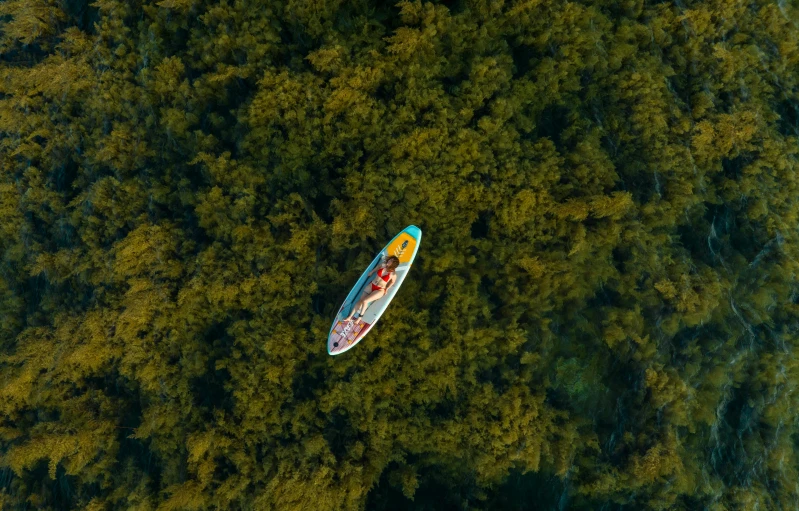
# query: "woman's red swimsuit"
383,275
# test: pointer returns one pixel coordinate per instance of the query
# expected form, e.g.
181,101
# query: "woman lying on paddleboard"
377,288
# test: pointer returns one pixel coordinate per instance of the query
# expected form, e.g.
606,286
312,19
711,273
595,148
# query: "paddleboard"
344,336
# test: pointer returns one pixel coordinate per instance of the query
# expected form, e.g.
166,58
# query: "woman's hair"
392,262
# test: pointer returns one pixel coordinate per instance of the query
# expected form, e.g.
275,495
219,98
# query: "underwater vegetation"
604,315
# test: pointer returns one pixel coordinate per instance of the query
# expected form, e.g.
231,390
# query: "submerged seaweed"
604,314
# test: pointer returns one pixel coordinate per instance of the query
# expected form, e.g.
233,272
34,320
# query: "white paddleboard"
344,336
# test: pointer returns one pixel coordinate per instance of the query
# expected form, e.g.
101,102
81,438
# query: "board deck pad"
344,336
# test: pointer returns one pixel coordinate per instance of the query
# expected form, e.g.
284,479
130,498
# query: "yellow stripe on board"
403,253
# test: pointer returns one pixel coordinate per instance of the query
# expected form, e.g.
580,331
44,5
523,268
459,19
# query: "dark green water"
603,313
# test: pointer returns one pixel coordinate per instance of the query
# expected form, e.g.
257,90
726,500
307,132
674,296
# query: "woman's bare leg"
366,300
357,305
